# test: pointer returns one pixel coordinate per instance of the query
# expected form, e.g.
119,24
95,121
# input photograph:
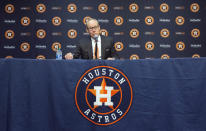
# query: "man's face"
93,28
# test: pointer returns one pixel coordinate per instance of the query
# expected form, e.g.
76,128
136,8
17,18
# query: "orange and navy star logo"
103,91
103,95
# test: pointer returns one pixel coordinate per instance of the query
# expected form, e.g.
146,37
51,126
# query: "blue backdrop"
141,29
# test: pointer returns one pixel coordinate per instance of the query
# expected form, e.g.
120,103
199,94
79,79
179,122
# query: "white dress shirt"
98,45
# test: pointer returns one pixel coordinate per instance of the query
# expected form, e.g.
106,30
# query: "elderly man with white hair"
95,46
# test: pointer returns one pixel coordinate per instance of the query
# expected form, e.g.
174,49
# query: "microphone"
96,37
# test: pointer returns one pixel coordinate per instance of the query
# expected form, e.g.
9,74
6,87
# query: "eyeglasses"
92,28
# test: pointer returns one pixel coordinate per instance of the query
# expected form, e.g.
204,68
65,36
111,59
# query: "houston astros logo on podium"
103,95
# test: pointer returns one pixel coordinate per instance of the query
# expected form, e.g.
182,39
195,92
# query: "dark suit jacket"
84,48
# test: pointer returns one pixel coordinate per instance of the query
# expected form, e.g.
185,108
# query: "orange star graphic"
103,91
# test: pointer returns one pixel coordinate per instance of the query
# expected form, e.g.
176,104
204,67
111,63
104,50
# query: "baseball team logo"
164,7
56,46
196,56
195,33
180,46
85,19
41,33
133,7
118,46
25,46
9,8
40,8
9,56
56,21
149,20
118,20
25,21
164,33
180,20
194,7
134,33
134,57
104,32
40,57
149,46
165,56
72,33
103,95
72,8
9,34
103,8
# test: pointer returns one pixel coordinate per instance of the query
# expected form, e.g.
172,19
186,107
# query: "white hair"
90,19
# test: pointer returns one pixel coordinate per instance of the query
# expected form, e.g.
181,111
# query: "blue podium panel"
76,95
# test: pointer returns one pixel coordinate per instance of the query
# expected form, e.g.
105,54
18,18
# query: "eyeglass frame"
92,28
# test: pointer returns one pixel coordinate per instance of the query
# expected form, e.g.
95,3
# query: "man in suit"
95,46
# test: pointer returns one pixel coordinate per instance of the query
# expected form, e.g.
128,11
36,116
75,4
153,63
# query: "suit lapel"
90,51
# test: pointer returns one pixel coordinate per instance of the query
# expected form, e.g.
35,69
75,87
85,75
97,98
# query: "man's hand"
68,56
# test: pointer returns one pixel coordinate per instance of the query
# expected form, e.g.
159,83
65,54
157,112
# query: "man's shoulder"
88,39
107,37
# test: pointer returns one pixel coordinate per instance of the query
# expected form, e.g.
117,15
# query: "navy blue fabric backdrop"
140,28
39,95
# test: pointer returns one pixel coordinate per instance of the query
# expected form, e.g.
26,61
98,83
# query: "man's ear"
87,30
